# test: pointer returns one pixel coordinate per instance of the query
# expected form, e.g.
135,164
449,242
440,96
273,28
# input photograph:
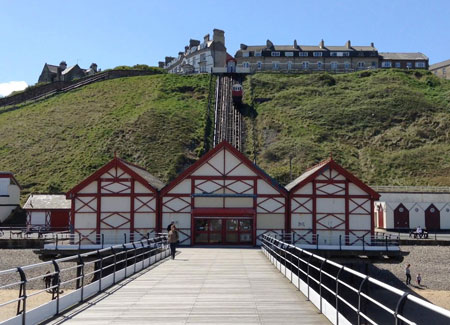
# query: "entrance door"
226,231
432,218
401,217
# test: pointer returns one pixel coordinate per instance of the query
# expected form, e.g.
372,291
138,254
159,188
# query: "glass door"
208,231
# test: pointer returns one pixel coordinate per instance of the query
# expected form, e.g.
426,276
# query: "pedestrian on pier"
408,274
418,278
172,239
169,227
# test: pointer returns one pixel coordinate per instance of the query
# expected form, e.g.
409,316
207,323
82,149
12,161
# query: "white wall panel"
359,222
182,220
86,204
301,221
38,218
115,220
85,220
144,204
208,202
90,188
139,188
144,220
238,202
355,190
122,187
116,203
330,205
270,221
171,204
182,188
265,188
270,205
306,189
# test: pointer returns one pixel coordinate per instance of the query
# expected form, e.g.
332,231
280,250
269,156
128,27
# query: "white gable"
236,167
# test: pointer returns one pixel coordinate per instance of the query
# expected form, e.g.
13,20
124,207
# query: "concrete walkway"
202,286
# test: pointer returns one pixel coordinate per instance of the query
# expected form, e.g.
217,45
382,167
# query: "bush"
142,67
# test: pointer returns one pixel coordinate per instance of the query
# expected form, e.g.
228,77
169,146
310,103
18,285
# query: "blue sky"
113,33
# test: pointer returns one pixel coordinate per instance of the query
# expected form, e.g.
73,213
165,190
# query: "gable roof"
440,65
147,179
52,68
313,172
11,177
225,145
403,56
47,201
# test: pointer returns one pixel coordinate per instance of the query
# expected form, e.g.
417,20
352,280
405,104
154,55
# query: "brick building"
441,69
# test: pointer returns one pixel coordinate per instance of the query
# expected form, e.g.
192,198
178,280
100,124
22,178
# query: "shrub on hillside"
143,67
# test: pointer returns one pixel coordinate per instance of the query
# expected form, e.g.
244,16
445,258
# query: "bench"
415,234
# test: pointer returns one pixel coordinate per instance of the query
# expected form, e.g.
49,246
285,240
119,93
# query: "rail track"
227,118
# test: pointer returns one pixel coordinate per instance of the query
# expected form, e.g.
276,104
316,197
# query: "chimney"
193,43
371,44
322,44
348,45
180,53
161,64
94,67
219,36
243,47
206,38
186,48
295,44
269,44
63,65
167,59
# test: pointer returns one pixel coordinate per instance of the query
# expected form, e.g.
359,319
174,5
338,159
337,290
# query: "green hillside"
389,127
155,121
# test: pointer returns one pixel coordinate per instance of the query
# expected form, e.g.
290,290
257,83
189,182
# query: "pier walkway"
201,286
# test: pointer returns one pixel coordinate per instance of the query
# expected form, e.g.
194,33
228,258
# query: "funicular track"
228,119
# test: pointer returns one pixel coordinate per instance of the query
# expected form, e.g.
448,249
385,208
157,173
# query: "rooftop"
47,201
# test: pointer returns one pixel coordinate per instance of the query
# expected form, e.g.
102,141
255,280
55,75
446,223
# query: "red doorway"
401,217
432,218
223,231
380,217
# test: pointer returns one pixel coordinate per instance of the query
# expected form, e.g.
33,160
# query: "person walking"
172,239
169,227
408,274
418,278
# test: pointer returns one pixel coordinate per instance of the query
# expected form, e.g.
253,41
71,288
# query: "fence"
102,268
345,296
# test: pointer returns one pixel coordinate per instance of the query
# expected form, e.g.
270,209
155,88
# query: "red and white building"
9,194
326,202
48,211
118,201
225,199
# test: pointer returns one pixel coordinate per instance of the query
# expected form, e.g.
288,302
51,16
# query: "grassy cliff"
155,121
389,127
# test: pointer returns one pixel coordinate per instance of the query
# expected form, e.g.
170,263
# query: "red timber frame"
224,181
103,178
339,189
48,216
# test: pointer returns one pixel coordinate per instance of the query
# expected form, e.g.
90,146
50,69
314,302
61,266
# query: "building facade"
48,211
403,60
296,58
119,202
330,206
397,210
52,73
441,69
9,194
199,57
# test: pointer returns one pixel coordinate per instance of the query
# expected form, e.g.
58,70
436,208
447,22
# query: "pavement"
201,286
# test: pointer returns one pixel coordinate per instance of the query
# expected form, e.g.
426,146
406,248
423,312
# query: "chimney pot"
322,44
348,44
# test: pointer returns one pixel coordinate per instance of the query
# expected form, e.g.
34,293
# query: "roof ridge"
323,162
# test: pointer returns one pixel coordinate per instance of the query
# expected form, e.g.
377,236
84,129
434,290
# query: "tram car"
236,93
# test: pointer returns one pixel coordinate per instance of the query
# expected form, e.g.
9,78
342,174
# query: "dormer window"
317,53
275,53
303,54
288,53
258,53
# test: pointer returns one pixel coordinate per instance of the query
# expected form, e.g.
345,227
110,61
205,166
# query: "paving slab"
201,286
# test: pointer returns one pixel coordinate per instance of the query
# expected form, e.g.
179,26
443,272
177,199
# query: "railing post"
386,244
126,258
56,281
114,264
56,247
149,252
100,271
79,243
22,294
320,283
142,254
308,276
337,294
134,248
359,298
124,238
317,241
103,240
364,242
399,307
340,242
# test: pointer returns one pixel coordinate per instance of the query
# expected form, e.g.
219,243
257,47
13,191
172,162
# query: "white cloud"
7,88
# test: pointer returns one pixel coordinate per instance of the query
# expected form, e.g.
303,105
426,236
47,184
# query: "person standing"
169,227
419,278
172,239
408,274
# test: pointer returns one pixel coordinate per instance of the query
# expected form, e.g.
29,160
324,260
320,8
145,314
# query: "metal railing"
89,274
411,189
347,296
378,241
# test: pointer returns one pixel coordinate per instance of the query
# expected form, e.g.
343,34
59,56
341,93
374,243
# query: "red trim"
11,176
223,212
132,198
347,214
331,164
99,206
204,159
314,213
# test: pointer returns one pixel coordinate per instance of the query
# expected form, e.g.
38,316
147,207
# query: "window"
347,65
202,57
257,53
275,65
289,65
246,64
288,53
259,65
319,65
333,53
275,53
409,65
444,72
303,54
420,64
398,64
203,68
245,54
345,53
361,64
334,65
4,183
386,64
305,65
317,53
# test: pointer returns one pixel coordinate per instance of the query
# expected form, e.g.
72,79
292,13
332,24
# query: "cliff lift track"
227,118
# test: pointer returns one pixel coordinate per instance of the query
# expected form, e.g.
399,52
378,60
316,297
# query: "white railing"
346,296
92,273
